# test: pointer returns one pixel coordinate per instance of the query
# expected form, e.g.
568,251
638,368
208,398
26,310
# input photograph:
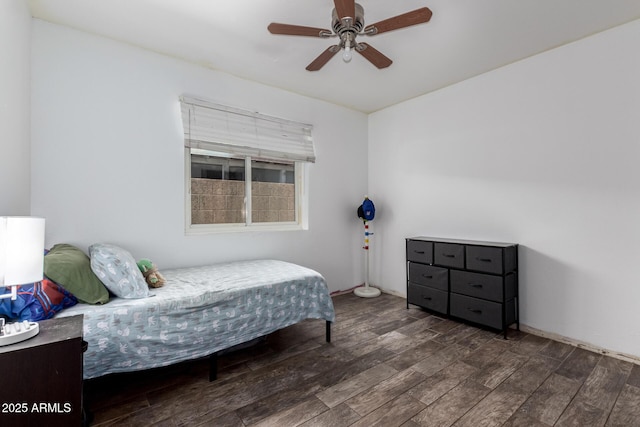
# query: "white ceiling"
463,39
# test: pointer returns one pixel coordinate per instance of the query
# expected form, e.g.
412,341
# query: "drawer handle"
475,285
419,252
448,255
427,276
427,298
484,259
476,311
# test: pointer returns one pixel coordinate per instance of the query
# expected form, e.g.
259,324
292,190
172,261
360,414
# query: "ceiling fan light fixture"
347,54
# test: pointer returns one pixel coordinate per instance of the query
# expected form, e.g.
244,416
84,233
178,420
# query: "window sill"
200,229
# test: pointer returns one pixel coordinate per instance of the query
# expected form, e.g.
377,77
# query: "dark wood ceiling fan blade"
414,17
374,56
345,8
297,30
323,58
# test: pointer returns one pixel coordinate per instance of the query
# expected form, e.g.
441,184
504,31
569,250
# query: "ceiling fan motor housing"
348,28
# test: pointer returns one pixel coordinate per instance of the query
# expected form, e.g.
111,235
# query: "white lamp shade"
21,250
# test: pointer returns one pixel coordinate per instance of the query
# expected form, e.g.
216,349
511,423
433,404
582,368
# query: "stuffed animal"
151,274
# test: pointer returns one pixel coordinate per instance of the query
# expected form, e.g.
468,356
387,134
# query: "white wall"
15,170
108,161
544,153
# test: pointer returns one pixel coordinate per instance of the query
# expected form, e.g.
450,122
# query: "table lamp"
21,262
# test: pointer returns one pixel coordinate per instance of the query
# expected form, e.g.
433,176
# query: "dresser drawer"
482,258
426,297
448,254
428,275
479,285
476,310
420,251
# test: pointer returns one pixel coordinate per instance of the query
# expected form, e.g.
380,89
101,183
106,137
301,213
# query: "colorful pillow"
37,301
69,267
118,271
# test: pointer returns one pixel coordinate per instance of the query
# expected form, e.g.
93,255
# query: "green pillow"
69,267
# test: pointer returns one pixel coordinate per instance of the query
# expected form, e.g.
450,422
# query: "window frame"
301,204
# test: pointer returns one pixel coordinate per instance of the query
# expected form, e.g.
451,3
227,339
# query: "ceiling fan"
348,22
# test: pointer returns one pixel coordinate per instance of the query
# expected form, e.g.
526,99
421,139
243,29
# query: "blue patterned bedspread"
199,311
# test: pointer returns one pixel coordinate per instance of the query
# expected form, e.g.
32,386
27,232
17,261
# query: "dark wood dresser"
42,376
467,280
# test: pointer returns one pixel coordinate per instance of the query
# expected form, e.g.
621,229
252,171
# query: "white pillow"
117,269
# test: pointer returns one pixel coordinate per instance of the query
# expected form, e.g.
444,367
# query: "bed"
199,312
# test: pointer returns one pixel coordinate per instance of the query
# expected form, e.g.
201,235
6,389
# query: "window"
243,170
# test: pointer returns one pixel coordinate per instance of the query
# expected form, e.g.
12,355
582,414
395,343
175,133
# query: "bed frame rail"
213,358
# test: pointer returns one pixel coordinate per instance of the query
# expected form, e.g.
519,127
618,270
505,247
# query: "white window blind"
215,127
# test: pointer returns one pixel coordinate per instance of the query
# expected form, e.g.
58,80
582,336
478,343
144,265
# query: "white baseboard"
394,293
580,344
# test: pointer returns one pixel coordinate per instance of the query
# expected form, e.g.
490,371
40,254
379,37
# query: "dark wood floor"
386,366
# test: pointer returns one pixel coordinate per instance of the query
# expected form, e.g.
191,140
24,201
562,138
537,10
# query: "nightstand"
42,376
